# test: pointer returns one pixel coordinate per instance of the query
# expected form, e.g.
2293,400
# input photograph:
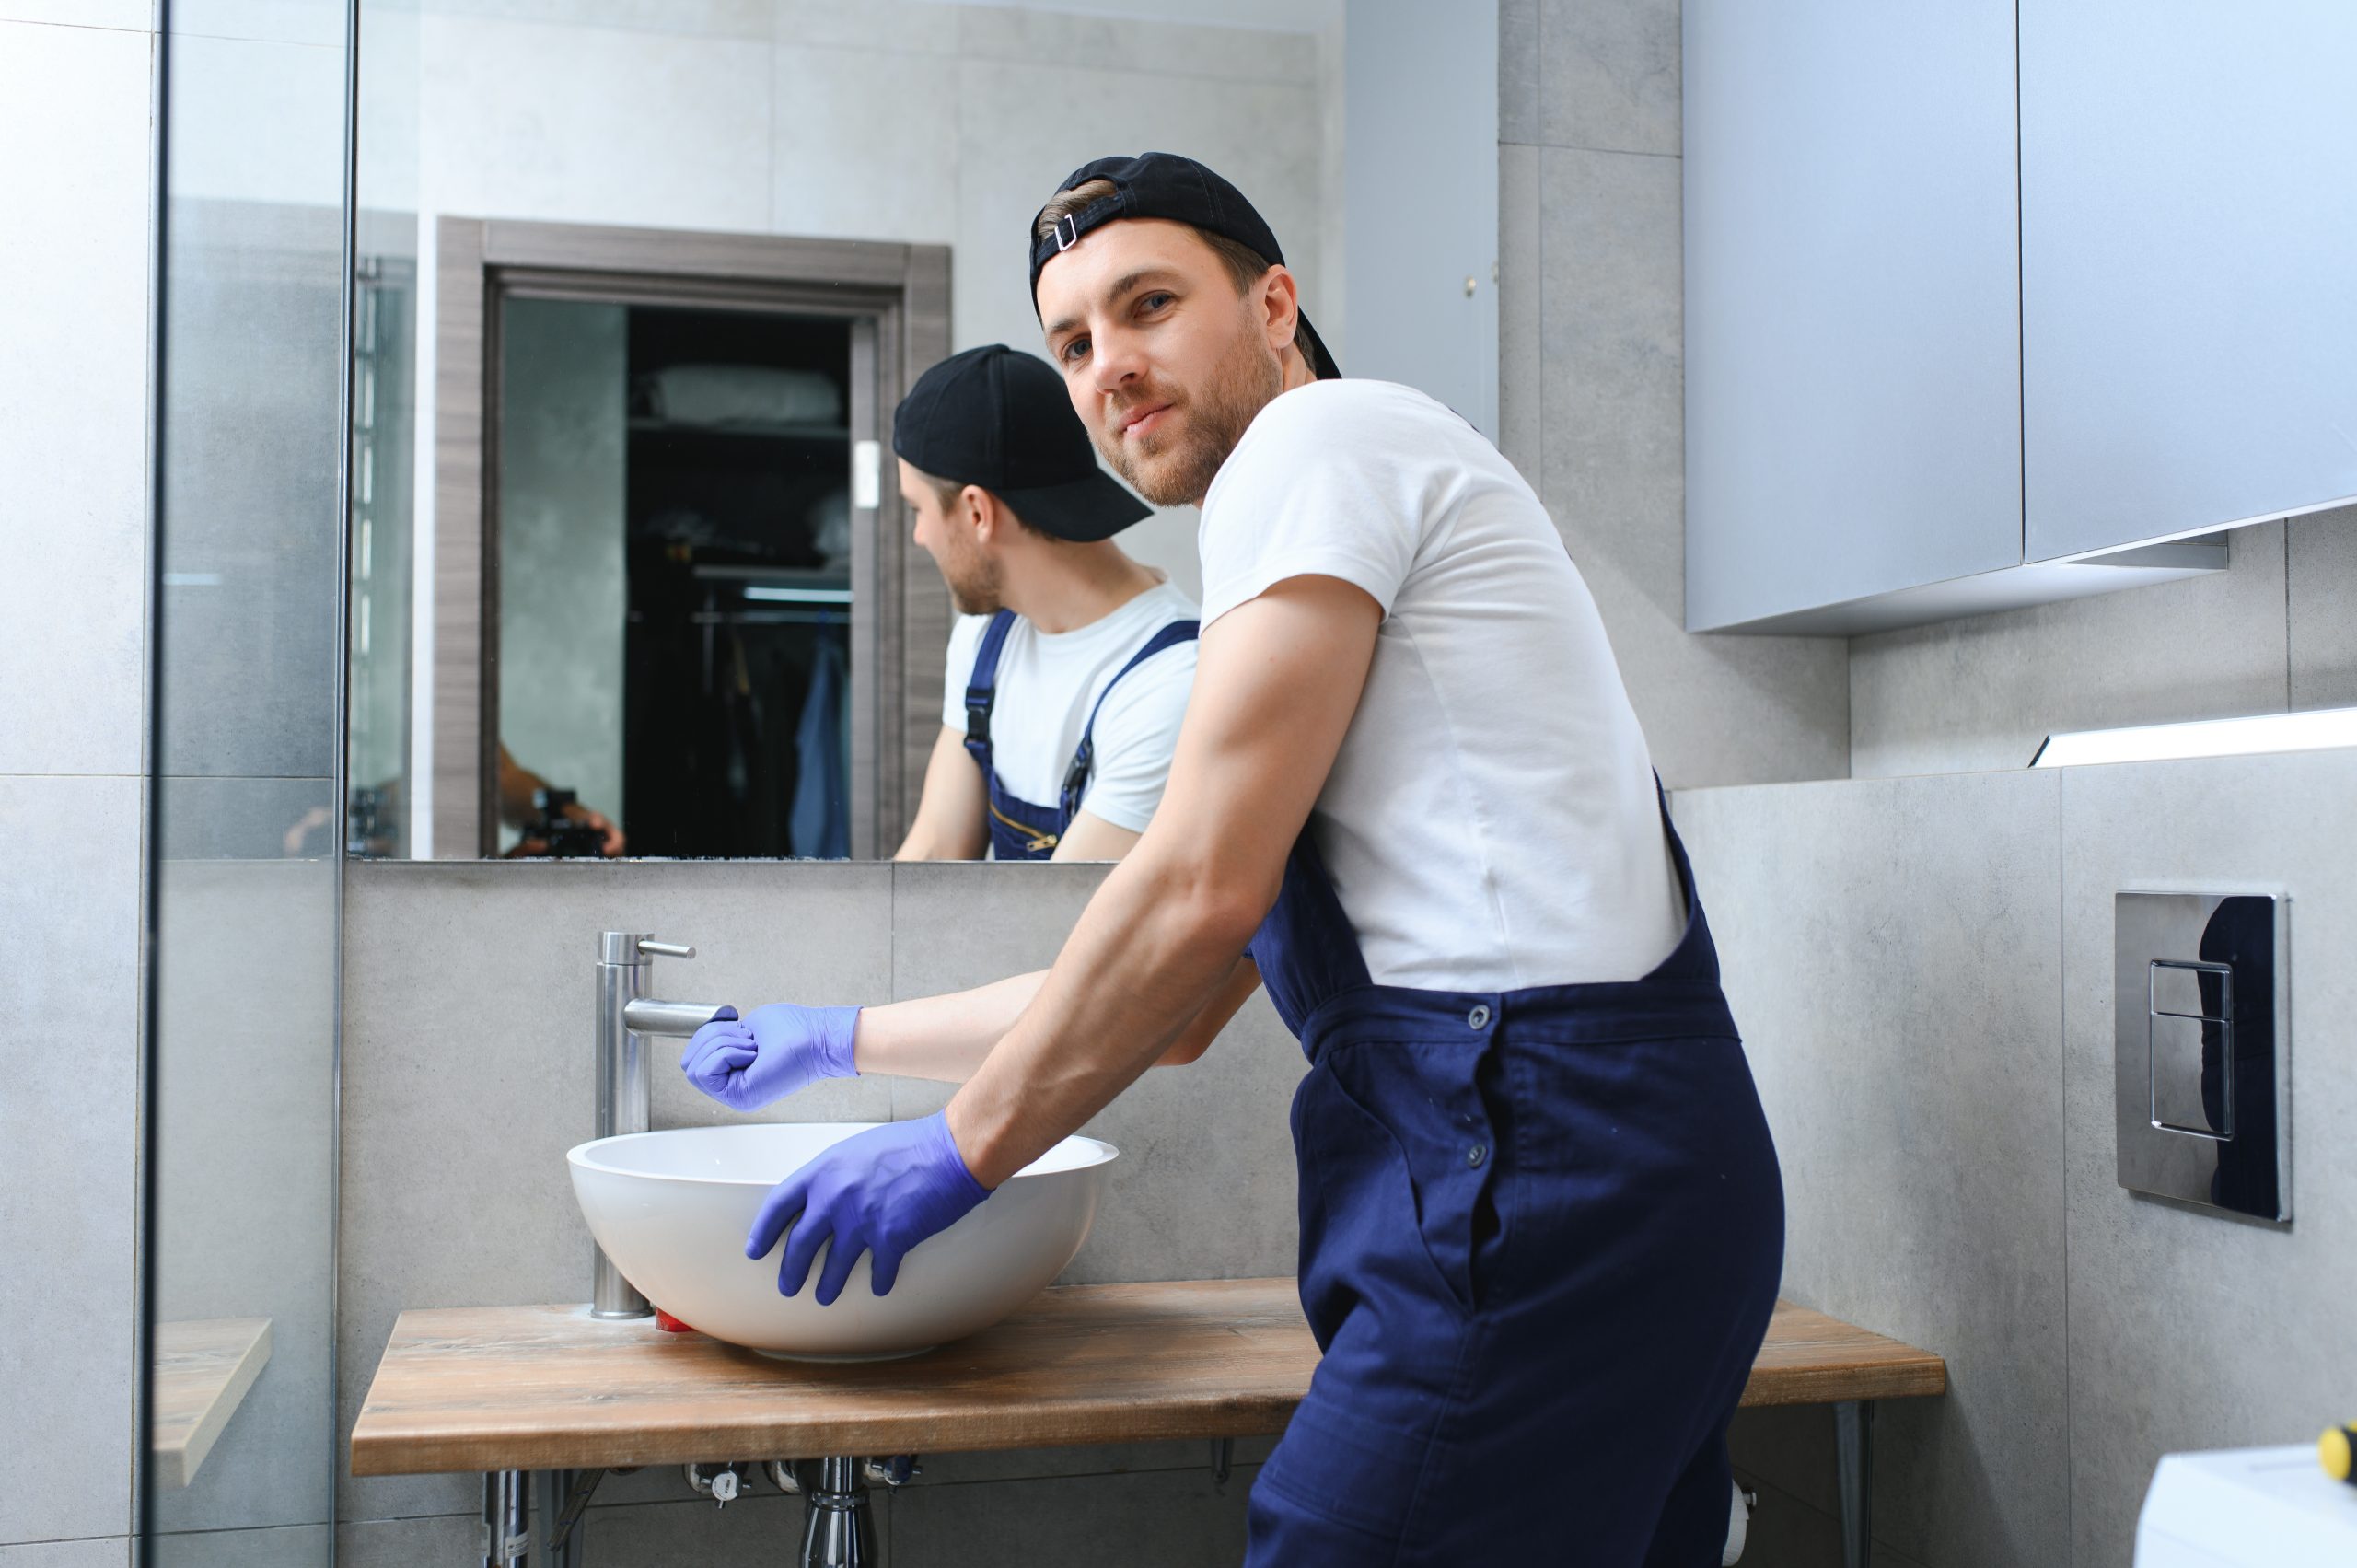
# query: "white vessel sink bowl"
672,1210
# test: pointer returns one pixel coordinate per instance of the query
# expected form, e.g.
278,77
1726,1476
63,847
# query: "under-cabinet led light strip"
2318,729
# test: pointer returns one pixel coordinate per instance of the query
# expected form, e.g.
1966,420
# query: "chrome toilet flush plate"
2201,1015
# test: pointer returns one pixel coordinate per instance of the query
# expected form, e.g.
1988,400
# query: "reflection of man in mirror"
1541,1218
1069,668
549,819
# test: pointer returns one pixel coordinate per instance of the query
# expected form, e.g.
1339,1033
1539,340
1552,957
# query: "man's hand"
882,1191
745,1063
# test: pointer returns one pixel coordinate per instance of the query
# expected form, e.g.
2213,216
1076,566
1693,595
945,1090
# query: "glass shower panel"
247,824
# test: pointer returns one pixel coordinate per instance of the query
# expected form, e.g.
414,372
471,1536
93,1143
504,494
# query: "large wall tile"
1521,366
701,18
2320,566
74,112
468,1058
287,1545
1025,35
69,1024
107,1552
1146,1520
2188,1329
594,124
898,180
1204,1188
1981,692
135,16
1609,74
1519,93
1716,709
1892,953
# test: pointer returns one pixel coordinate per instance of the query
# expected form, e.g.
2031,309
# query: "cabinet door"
1852,325
2188,265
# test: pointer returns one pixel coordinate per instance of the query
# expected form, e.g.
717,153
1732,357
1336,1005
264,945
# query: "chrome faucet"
627,1017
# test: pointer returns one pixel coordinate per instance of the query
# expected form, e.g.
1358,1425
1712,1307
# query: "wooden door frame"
904,634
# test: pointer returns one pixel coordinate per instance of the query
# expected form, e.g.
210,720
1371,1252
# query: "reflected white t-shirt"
1047,684
1490,822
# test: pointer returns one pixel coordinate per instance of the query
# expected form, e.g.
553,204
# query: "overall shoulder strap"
981,687
1084,760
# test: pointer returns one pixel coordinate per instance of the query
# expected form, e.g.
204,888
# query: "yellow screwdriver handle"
2338,1449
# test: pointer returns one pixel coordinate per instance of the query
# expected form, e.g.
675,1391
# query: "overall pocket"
1399,1143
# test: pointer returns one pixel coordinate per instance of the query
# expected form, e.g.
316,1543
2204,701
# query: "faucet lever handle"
655,949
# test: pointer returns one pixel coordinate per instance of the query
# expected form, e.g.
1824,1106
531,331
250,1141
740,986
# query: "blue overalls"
1020,830
1542,1233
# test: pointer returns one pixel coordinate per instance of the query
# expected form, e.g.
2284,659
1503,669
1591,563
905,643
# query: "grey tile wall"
72,466
2189,1330
69,1024
104,1551
1908,1052
1591,390
1981,692
2320,579
1923,970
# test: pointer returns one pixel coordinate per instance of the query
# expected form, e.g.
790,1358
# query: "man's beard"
973,585
1178,470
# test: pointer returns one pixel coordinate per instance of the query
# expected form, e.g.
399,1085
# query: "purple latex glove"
882,1190
746,1063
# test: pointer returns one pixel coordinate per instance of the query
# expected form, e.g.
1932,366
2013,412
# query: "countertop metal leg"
507,1520
1853,1435
564,1520
838,1531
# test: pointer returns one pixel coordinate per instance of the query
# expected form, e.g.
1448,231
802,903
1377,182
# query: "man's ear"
979,509
1281,304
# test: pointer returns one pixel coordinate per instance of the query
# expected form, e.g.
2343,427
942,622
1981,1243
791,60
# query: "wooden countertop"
204,1367
549,1387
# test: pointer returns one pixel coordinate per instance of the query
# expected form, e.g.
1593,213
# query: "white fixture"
2317,729
672,1210
2246,1508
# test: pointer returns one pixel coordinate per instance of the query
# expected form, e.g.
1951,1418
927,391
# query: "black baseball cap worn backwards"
1002,419
1165,185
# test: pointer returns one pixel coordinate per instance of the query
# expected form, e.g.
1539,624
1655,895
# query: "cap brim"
1081,510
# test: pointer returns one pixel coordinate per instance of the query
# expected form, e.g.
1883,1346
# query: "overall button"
1478,1018
1476,1154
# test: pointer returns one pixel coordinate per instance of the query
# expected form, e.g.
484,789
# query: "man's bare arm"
946,1038
1090,837
1276,682
949,824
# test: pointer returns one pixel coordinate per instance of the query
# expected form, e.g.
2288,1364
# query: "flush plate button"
2202,1073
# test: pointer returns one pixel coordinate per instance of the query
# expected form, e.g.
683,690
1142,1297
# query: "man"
1068,676
1541,1217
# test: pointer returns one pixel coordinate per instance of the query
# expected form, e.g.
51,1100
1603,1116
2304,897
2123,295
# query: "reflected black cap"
1164,185
1002,419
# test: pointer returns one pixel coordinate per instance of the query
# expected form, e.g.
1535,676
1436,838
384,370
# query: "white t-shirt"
1047,684
1490,822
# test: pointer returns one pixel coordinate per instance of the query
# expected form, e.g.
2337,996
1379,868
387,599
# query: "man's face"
945,530
1165,364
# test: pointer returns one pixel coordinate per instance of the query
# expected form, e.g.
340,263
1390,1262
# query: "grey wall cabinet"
1980,315
2188,265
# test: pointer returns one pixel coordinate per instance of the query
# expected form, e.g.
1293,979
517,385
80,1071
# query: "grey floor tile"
1906,1050
2188,1330
69,1014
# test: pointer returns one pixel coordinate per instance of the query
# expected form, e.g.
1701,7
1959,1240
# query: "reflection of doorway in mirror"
674,569
670,605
